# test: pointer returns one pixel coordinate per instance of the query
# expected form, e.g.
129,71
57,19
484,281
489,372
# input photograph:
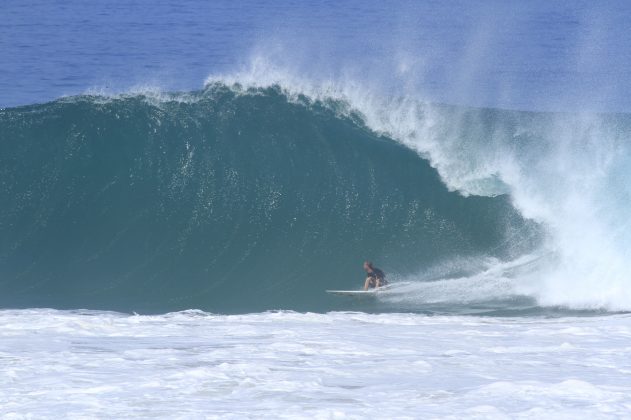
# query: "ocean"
180,183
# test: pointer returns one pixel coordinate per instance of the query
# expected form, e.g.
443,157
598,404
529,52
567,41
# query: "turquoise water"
221,201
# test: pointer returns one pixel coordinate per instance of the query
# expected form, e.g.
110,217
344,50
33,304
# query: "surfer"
376,277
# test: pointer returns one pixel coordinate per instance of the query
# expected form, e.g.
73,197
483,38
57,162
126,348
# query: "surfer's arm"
367,283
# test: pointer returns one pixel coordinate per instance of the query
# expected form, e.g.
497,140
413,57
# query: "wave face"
224,200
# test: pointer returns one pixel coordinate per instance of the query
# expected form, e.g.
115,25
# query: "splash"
568,172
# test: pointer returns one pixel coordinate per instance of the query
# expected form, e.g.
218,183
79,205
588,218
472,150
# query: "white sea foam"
85,364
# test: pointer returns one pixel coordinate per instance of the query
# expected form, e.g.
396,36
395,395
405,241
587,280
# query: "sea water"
180,182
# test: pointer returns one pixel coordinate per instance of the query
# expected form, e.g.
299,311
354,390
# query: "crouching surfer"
376,277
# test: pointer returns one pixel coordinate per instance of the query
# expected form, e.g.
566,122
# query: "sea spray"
566,172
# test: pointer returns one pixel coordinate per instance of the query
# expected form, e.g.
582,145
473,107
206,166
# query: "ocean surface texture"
78,364
181,182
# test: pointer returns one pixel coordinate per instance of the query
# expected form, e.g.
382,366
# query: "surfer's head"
367,265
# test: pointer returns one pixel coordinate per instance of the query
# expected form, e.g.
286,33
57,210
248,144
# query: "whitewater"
90,364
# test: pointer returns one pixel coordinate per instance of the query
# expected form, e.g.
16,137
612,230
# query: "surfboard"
359,293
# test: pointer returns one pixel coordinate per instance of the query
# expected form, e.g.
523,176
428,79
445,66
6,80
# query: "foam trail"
492,282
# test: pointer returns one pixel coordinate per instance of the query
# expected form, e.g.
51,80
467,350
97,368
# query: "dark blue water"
512,54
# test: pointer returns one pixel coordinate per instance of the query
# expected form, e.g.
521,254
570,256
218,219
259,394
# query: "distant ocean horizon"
537,56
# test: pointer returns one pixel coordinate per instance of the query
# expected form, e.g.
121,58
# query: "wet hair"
368,263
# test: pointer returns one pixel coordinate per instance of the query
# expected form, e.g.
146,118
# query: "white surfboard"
359,293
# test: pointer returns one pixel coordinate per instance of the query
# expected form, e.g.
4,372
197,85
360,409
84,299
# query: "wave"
262,190
222,200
